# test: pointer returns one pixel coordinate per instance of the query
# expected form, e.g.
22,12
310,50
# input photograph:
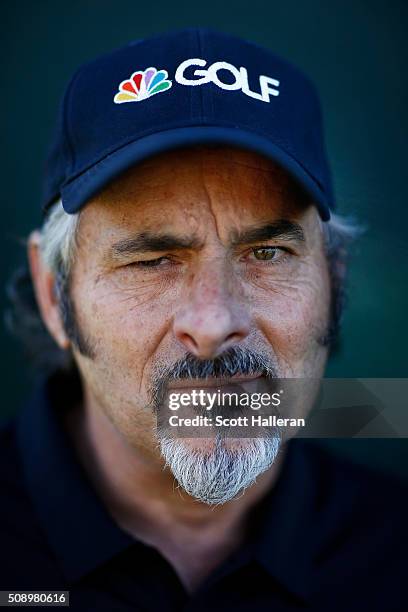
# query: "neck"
144,500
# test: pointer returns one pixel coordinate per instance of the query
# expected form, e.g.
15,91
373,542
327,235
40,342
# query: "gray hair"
58,240
58,245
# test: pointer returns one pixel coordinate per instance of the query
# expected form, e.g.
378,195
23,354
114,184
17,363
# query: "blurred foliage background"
355,51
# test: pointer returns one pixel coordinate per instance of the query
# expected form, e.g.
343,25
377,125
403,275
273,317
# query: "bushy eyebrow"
146,242
281,229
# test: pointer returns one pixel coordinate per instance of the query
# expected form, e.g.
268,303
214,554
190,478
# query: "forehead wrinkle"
221,183
215,185
209,200
271,171
251,161
256,187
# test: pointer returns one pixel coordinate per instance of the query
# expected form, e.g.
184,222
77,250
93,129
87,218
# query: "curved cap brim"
82,188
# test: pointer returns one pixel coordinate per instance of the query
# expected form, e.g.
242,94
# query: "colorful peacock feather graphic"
142,85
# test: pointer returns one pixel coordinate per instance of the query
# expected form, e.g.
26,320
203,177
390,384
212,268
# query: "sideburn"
69,318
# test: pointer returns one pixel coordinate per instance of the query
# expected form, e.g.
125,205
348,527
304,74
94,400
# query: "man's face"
195,253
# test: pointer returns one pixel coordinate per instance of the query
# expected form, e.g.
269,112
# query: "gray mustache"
233,362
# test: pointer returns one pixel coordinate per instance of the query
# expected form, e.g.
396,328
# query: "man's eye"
151,263
267,253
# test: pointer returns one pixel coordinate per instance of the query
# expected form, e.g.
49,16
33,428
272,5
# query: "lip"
213,382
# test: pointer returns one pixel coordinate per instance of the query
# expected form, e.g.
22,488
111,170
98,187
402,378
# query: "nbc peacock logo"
142,85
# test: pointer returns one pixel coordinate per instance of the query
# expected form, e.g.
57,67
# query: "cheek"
124,322
293,313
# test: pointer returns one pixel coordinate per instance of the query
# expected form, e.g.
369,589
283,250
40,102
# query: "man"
187,244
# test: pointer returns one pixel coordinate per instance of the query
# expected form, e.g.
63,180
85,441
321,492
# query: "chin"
216,470
207,446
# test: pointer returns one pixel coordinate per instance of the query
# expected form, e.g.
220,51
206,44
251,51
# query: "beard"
216,470
220,474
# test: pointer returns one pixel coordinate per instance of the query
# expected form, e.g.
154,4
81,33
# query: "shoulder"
348,484
357,495
360,525
23,547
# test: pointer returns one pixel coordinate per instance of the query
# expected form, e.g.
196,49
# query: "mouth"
213,382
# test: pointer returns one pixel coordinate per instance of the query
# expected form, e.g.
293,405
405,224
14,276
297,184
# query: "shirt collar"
79,530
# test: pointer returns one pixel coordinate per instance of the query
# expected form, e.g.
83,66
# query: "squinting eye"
151,263
266,253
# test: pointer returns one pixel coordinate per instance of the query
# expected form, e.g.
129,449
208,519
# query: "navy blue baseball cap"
181,89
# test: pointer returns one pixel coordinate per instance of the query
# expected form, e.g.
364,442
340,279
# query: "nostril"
207,336
188,341
234,337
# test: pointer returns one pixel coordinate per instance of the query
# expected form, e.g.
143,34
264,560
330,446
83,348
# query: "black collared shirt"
330,536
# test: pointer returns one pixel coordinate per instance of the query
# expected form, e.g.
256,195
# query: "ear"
44,286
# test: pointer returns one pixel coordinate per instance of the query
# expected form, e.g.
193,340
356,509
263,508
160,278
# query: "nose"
213,319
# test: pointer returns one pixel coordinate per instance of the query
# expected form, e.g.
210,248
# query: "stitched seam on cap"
191,88
206,92
200,92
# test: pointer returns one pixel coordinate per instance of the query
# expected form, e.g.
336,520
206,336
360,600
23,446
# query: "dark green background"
356,51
